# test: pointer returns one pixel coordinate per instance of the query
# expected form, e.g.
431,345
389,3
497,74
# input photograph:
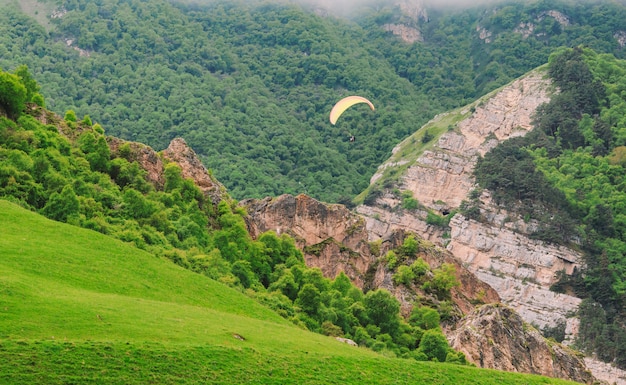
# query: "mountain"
81,306
249,84
525,246
539,215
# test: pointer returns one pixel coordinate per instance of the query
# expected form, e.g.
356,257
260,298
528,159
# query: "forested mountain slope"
526,186
249,84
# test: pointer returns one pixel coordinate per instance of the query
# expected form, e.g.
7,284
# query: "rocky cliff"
336,239
497,249
495,336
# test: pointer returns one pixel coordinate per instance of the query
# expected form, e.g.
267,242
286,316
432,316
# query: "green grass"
77,307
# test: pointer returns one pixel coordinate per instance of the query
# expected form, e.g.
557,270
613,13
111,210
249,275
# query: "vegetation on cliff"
568,174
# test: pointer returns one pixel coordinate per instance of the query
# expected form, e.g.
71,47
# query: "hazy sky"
352,6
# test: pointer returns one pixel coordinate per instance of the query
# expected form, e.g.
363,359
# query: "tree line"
249,84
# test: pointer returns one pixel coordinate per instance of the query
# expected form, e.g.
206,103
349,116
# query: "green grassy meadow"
77,307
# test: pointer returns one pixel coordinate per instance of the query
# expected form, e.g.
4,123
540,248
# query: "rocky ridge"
336,239
497,250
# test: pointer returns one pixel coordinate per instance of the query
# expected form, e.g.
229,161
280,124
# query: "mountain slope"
80,307
532,245
249,84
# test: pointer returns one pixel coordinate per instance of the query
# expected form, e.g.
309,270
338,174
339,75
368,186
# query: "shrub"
404,276
330,329
434,345
424,317
420,268
392,260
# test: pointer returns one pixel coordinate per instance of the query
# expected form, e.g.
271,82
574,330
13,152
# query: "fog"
355,5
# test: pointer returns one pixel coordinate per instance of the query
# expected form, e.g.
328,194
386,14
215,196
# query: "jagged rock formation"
335,239
496,337
497,250
406,33
177,152
180,153
147,158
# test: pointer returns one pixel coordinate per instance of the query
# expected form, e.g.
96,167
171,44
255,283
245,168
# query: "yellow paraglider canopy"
346,103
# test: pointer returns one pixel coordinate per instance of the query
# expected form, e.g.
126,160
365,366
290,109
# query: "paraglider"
346,103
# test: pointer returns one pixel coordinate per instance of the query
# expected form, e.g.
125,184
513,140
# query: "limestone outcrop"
335,239
498,250
496,337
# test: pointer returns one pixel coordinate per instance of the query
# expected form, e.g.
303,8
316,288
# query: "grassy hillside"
79,307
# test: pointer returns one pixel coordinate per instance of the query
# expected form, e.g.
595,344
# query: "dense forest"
249,84
66,171
569,175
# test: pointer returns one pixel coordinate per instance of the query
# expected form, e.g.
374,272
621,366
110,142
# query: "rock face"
335,239
496,337
340,235
147,158
497,250
406,33
520,269
178,152
413,12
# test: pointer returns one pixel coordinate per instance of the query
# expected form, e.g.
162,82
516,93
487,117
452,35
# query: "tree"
62,205
12,94
342,283
424,317
404,276
444,279
32,88
96,151
309,299
383,310
242,270
434,345
410,246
